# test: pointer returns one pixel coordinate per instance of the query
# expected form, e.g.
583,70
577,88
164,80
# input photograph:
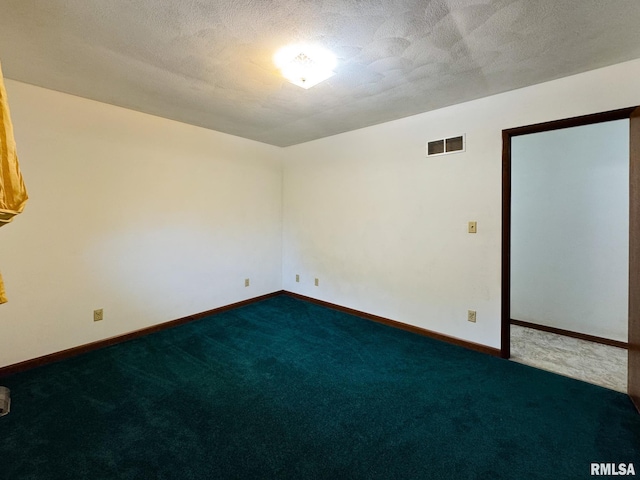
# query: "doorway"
633,114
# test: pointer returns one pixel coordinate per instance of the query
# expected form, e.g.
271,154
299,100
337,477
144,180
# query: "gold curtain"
13,194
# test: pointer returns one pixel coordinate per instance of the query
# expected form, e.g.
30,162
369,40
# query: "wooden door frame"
634,229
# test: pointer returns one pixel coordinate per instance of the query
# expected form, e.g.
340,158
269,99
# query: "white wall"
384,228
150,219
570,229
153,220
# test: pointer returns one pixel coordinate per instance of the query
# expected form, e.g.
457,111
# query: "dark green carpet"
289,390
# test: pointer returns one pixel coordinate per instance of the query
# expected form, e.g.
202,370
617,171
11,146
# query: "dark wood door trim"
634,261
590,119
633,378
505,328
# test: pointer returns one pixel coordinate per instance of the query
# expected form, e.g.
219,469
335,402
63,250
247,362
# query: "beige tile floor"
591,362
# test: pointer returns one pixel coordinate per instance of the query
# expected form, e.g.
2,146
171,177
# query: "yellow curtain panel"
13,194
3,295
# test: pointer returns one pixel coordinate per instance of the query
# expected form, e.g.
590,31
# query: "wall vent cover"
446,145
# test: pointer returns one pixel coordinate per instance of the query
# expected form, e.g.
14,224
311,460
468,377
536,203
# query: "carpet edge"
400,325
107,342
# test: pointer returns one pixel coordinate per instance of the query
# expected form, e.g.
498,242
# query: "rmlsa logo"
613,469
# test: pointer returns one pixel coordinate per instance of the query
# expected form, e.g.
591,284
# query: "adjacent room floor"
591,362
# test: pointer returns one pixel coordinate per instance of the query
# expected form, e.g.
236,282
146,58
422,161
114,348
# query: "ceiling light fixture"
305,65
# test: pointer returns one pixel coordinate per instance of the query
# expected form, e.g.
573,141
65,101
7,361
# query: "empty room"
286,239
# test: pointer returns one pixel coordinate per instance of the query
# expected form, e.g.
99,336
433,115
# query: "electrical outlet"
473,227
246,282
317,282
297,278
98,315
471,316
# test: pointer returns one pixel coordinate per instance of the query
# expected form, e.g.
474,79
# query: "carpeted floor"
285,389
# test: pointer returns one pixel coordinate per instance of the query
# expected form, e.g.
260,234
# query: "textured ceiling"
209,62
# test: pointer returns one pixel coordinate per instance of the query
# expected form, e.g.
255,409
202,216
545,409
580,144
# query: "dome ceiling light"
305,65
